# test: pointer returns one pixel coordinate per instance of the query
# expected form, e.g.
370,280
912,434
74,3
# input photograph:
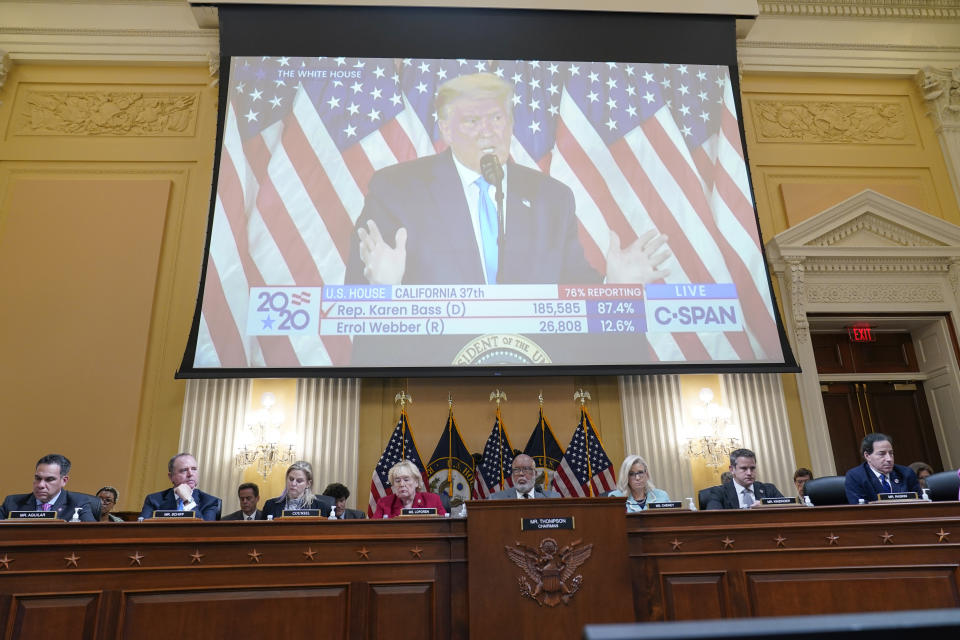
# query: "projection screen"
398,192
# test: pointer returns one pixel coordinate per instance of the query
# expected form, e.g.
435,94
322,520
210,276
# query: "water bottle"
333,514
76,514
270,517
807,501
690,504
926,496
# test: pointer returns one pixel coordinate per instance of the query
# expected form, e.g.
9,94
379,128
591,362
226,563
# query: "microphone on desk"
492,172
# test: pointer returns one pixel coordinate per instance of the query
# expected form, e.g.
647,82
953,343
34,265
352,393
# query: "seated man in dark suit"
249,495
742,492
340,493
524,474
878,473
49,479
183,495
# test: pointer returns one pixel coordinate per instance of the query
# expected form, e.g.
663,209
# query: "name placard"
779,502
418,511
33,515
173,514
900,495
300,513
664,505
538,524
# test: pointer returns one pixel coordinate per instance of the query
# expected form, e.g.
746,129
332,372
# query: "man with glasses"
524,474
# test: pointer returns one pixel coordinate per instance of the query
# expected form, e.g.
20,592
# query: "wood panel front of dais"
351,579
795,561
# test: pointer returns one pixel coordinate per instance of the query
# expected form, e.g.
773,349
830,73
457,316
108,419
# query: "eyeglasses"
403,480
524,470
637,474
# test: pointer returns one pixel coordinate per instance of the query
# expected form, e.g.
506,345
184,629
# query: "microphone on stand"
492,172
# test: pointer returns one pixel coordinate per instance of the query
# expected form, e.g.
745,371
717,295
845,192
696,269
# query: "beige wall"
104,184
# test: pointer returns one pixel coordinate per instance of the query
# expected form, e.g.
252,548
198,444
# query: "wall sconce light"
262,442
711,436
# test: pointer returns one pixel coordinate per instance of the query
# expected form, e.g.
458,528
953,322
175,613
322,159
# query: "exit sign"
861,333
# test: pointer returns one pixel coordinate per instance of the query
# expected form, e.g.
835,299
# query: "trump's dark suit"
725,496
65,505
426,197
861,482
208,506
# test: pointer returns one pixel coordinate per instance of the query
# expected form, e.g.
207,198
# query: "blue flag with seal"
545,451
450,469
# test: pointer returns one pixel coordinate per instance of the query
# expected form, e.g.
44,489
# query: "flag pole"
499,396
403,398
450,444
543,444
583,396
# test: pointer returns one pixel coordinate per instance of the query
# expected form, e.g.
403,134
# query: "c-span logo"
692,308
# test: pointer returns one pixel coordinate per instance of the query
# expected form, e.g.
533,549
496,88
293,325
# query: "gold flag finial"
581,396
403,398
449,400
540,397
498,396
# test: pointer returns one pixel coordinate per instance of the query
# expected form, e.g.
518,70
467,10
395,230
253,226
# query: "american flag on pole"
494,472
585,469
400,447
643,146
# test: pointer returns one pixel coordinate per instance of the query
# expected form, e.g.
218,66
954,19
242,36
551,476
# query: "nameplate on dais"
900,495
539,524
33,515
173,514
779,501
300,513
664,505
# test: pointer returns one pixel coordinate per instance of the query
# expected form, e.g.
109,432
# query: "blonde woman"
408,491
635,484
298,493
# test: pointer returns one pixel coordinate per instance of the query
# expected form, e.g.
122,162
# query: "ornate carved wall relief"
107,113
831,122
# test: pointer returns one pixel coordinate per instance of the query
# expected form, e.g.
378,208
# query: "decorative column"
941,90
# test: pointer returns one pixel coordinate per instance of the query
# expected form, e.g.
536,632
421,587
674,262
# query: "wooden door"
854,409
898,409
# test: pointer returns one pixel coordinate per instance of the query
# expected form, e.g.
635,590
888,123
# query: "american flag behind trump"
400,447
494,472
643,146
585,469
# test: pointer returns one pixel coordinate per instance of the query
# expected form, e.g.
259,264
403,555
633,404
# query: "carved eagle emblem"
549,570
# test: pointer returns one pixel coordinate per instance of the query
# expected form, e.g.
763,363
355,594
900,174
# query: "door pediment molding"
867,255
